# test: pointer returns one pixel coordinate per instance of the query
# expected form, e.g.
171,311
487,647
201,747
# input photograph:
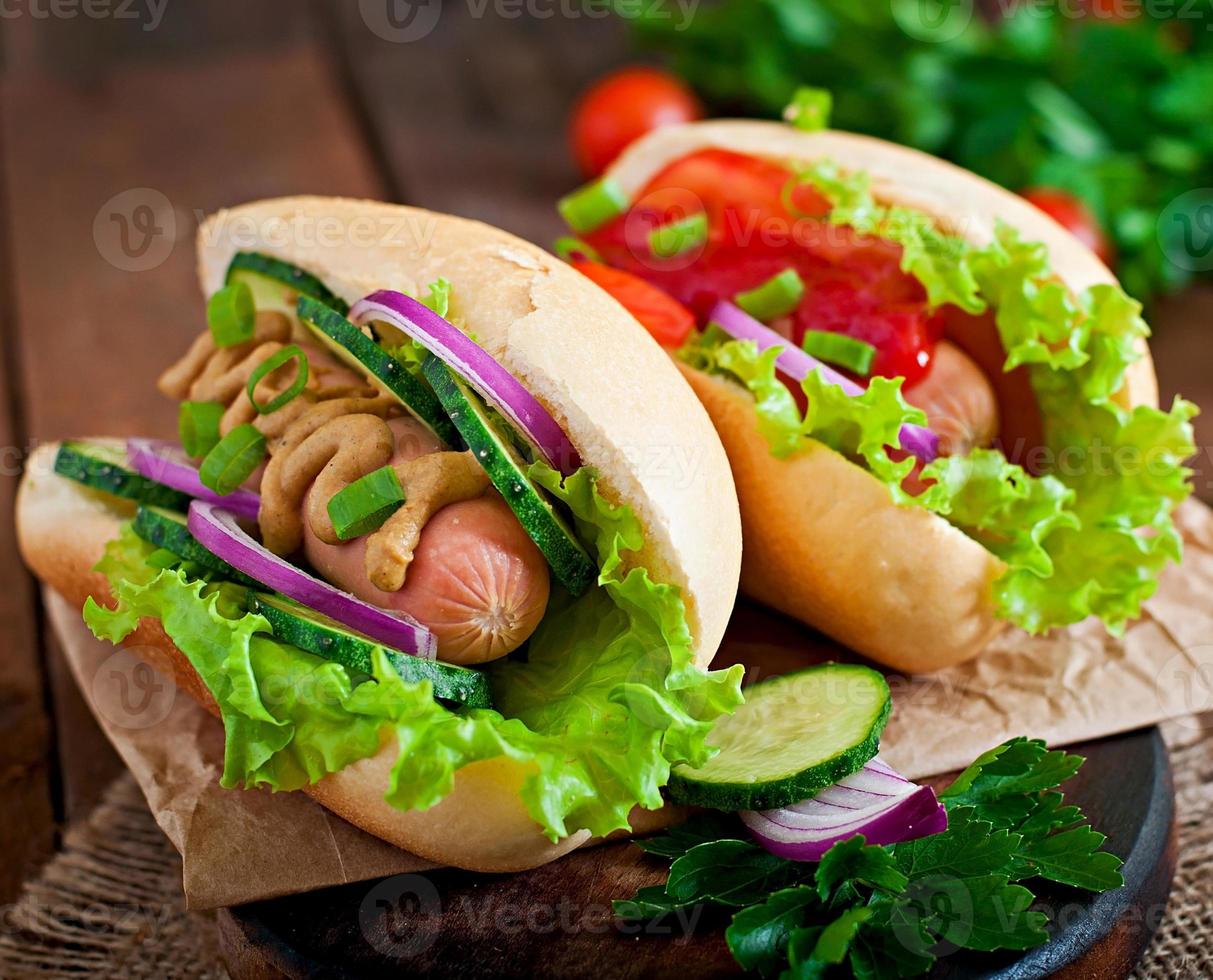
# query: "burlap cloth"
110,904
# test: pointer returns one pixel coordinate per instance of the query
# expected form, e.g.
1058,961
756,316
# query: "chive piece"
568,248
293,352
233,460
840,350
365,504
810,108
670,240
231,315
778,295
593,205
198,427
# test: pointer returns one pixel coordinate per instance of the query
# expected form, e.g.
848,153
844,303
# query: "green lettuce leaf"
1091,536
607,701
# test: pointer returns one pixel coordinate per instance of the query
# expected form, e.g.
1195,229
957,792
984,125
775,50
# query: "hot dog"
429,446
1025,358
476,579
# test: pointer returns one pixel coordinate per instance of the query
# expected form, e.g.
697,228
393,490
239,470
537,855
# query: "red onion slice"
475,366
917,440
167,463
216,529
876,802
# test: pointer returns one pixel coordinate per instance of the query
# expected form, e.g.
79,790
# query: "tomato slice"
664,317
762,219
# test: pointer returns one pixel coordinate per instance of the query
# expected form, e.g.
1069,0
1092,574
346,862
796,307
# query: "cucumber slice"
167,529
486,437
356,349
277,285
309,630
105,467
795,735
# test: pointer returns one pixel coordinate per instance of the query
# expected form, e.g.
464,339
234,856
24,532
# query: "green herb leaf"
812,951
700,829
883,910
648,903
854,861
758,935
727,872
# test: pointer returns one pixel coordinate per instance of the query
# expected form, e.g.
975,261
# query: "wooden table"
106,122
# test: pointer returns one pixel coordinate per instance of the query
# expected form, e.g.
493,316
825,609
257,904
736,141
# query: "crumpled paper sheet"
1073,685
236,845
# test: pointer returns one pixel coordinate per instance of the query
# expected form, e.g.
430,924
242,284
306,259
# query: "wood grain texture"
26,804
556,921
471,119
100,122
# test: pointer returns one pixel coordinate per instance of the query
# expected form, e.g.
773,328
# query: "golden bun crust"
823,541
481,826
578,351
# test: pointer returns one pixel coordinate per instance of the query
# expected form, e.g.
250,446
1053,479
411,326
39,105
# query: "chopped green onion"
365,504
231,315
593,205
198,427
778,295
272,363
810,108
568,248
840,350
668,241
233,460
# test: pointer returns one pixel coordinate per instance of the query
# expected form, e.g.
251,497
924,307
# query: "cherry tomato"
665,318
1073,215
623,106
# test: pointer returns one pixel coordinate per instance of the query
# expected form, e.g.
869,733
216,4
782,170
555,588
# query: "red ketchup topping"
761,220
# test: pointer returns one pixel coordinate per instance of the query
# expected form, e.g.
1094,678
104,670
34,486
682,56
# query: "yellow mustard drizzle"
323,440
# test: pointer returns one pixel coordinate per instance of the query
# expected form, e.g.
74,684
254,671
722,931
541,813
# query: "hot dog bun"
610,386
482,825
823,540
606,382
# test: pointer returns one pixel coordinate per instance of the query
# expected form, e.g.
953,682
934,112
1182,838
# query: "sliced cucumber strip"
277,285
794,736
106,468
167,529
356,349
570,562
309,630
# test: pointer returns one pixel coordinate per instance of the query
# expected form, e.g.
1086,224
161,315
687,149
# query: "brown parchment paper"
1073,685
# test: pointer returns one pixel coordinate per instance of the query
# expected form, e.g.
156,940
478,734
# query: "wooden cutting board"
556,921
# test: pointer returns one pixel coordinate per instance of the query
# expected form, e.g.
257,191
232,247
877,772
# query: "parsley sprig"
1110,105
886,912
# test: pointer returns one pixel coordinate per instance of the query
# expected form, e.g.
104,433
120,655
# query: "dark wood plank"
93,146
26,811
471,118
